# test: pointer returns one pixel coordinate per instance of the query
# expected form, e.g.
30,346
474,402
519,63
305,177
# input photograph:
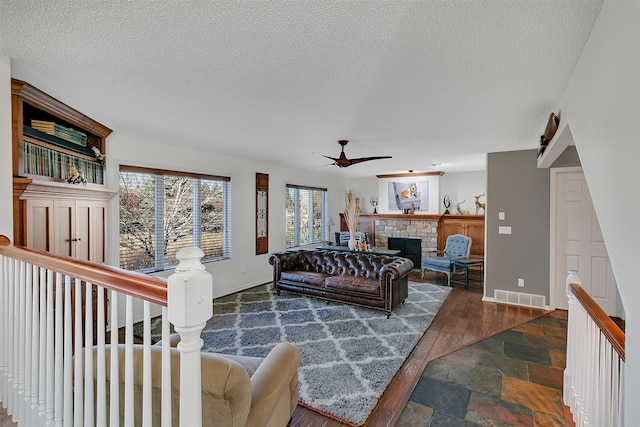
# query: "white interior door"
579,244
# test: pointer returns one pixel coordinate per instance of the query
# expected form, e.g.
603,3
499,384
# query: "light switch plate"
501,216
504,230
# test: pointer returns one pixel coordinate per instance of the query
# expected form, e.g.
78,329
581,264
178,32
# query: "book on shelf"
44,161
68,134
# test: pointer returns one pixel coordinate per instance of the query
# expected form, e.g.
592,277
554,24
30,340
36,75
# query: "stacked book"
68,134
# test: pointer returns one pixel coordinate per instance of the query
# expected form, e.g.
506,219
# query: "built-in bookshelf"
50,139
43,161
59,191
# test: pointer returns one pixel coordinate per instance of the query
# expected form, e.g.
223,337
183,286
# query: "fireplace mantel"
433,229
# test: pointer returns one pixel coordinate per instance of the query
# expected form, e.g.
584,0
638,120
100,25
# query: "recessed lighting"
410,170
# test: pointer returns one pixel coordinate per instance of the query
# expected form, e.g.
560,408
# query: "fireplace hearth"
409,248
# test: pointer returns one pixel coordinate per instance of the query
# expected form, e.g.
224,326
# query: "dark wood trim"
610,330
305,187
409,175
41,100
140,169
143,286
262,185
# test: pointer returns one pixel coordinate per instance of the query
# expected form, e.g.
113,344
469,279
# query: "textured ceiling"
423,81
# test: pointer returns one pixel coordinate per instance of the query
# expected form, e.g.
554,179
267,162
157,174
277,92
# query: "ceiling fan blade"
327,157
366,159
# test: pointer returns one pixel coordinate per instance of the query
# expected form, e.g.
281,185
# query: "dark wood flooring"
463,319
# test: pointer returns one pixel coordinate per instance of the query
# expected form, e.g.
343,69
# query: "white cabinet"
74,227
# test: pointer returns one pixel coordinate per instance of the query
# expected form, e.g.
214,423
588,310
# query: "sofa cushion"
306,277
353,284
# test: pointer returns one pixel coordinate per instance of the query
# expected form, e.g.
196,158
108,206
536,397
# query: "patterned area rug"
349,354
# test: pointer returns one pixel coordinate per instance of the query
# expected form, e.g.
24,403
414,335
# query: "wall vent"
519,298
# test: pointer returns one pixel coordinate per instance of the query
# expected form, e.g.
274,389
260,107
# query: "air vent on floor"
519,298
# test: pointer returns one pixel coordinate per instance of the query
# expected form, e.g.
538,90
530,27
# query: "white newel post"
569,390
189,306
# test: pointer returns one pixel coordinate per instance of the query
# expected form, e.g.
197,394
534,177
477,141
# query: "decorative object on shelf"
361,243
75,177
351,215
549,132
478,204
412,209
447,204
343,162
99,156
460,211
374,202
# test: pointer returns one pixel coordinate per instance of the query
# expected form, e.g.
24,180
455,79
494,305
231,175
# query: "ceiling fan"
343,162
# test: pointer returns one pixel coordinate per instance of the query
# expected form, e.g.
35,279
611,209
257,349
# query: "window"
162,212
306,210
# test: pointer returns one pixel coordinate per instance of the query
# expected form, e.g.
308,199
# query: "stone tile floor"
513,378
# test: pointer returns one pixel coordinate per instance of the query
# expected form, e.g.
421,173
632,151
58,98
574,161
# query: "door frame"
554,173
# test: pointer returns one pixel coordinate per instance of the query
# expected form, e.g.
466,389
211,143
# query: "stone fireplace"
409,226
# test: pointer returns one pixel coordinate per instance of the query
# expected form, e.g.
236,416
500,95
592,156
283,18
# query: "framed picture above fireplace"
404,193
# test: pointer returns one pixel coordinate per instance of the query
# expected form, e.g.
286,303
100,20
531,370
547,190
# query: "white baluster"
78,380
114,398
35,346
89,414
166,371
4,281
59,352
50,356
146,366
28,352
42,356
129,406
11,344
190,305
21,324
101,395
68,355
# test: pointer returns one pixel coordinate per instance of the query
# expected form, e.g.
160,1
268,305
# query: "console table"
376,251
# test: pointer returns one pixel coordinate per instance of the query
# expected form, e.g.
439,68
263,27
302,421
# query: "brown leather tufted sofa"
361,278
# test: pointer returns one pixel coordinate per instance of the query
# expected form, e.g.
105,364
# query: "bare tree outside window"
160,214
305,213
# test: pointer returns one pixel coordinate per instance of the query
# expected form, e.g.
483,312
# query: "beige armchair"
236,390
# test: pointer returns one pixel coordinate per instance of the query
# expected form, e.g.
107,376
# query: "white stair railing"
48,373
594,373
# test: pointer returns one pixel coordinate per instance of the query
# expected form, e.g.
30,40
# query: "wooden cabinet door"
63,227
83,230
470,227
98,231
39,224
475,230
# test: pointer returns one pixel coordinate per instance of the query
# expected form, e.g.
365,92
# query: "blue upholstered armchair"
458,246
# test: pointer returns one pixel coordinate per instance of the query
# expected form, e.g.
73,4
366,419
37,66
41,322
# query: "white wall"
244,269
463,186
601,104
6,175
